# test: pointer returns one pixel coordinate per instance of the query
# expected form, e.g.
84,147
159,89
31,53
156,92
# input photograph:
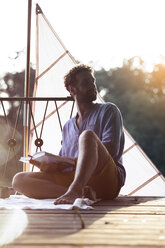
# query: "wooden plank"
44,222
84,246
104,209
81,238
127,201
91,218
119,223
35,221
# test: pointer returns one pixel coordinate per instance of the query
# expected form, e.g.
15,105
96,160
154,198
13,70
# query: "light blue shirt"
106,121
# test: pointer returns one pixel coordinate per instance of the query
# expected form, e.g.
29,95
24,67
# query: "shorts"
105,184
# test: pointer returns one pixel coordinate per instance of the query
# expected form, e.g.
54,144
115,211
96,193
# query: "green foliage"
12,85
141,99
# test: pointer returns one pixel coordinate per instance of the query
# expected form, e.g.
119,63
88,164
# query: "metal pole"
27,83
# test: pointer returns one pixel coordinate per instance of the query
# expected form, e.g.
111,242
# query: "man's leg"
38,185
91,159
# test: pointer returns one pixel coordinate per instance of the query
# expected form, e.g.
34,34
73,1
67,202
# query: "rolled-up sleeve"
112,131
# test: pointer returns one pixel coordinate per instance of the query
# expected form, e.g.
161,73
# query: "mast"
27,83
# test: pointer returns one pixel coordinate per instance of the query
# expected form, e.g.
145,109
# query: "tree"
12,85
141,98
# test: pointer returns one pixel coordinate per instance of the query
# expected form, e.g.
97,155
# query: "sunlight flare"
12,224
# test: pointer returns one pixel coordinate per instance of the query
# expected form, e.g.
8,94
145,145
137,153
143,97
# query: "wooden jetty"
123,222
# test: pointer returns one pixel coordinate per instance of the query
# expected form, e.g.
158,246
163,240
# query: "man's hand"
35,162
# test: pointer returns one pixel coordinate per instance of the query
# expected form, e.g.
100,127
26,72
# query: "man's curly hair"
69,78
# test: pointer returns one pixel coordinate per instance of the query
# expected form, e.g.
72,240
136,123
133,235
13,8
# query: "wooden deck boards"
124,222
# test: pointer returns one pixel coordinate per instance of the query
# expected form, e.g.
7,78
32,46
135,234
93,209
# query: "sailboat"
53,61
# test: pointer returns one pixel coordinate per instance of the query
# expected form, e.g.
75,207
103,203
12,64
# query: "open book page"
49,162
25,159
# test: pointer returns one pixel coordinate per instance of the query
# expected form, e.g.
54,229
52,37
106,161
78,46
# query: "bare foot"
88,192
69,197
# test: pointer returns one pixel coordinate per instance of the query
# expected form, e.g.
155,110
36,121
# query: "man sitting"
94,138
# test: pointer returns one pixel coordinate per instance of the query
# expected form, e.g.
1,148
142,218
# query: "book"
48,162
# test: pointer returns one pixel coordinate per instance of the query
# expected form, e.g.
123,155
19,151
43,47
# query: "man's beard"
86,98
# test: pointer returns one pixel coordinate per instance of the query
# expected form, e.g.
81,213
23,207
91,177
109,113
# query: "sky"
98,32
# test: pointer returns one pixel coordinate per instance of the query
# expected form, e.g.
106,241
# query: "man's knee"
87,135
18,180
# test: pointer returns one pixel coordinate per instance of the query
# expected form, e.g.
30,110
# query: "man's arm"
112,130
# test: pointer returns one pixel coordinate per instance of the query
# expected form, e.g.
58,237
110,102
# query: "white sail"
53,61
